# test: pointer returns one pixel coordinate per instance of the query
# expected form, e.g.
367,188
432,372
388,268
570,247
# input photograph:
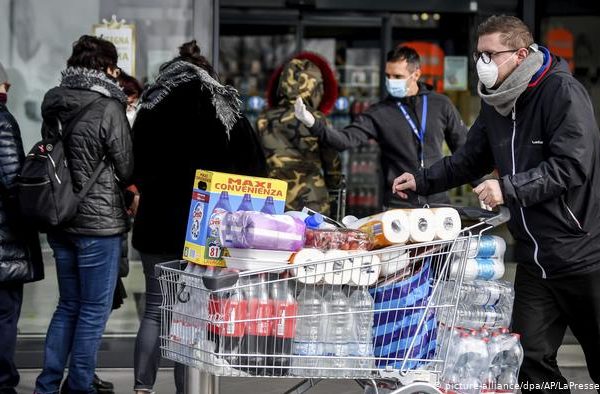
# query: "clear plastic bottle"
361,302
488,382
476,317
507,381
338,334
309,333
485,293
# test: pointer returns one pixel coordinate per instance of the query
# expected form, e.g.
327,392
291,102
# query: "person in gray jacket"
88,248
20,254
410,125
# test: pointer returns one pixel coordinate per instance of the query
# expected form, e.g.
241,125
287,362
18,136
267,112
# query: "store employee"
410,125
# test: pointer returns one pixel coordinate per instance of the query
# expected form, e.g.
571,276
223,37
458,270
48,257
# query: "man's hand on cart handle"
405,181
302,114
490,193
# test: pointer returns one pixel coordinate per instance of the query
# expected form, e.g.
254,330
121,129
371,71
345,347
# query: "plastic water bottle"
507,381
283,328
339,333
476,317
471,353
310,332
487,293
488,382
362,344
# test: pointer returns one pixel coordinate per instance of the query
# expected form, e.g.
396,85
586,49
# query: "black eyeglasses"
486,57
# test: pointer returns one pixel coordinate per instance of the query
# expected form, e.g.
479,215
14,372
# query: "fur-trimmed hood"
225,98
329,94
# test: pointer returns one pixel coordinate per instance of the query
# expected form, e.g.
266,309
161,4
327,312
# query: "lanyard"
420,134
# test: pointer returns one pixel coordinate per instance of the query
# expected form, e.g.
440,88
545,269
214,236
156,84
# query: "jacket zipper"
535,252
573,216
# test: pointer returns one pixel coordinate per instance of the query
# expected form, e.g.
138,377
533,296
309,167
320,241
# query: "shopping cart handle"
493,218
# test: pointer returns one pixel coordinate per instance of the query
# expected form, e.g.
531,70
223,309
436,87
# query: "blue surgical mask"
396,87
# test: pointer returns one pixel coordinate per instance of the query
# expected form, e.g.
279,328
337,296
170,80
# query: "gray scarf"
94,80
504,97
225,98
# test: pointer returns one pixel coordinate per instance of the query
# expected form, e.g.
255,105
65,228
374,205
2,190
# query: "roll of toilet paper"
422,225
365,270
479,269
308,273
386,228
393,262
338,271
448,223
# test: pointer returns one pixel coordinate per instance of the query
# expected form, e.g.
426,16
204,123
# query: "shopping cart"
219,323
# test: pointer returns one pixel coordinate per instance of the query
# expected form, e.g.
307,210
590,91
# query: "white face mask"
488,73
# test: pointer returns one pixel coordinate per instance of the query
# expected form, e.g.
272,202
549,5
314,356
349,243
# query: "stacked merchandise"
481,352
482,362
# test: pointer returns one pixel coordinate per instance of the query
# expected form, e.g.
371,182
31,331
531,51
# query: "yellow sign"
122,35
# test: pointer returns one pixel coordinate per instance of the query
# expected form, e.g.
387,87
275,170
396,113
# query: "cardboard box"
215,194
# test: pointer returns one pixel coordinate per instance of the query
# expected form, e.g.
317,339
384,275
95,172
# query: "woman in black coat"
187,121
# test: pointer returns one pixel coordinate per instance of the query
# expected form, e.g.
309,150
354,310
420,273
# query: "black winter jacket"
400,147
103,131
176,132
548,156
20,254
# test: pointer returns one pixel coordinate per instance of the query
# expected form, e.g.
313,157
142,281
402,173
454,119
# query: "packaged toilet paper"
308,273
386,228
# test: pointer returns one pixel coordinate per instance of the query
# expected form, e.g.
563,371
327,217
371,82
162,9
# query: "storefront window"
35,42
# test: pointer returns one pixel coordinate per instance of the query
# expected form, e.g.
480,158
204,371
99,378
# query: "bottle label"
285,325
258,312
232,311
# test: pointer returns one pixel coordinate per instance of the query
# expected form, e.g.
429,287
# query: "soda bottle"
232,308
260,309
284,327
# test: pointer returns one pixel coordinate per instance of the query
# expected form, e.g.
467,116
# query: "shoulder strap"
88,185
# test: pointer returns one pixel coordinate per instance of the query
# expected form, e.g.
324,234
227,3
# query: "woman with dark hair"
90,106
133,90
187,121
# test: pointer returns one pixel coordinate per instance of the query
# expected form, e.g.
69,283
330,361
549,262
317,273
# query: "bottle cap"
314,221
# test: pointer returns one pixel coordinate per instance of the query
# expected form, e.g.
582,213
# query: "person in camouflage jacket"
292,153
